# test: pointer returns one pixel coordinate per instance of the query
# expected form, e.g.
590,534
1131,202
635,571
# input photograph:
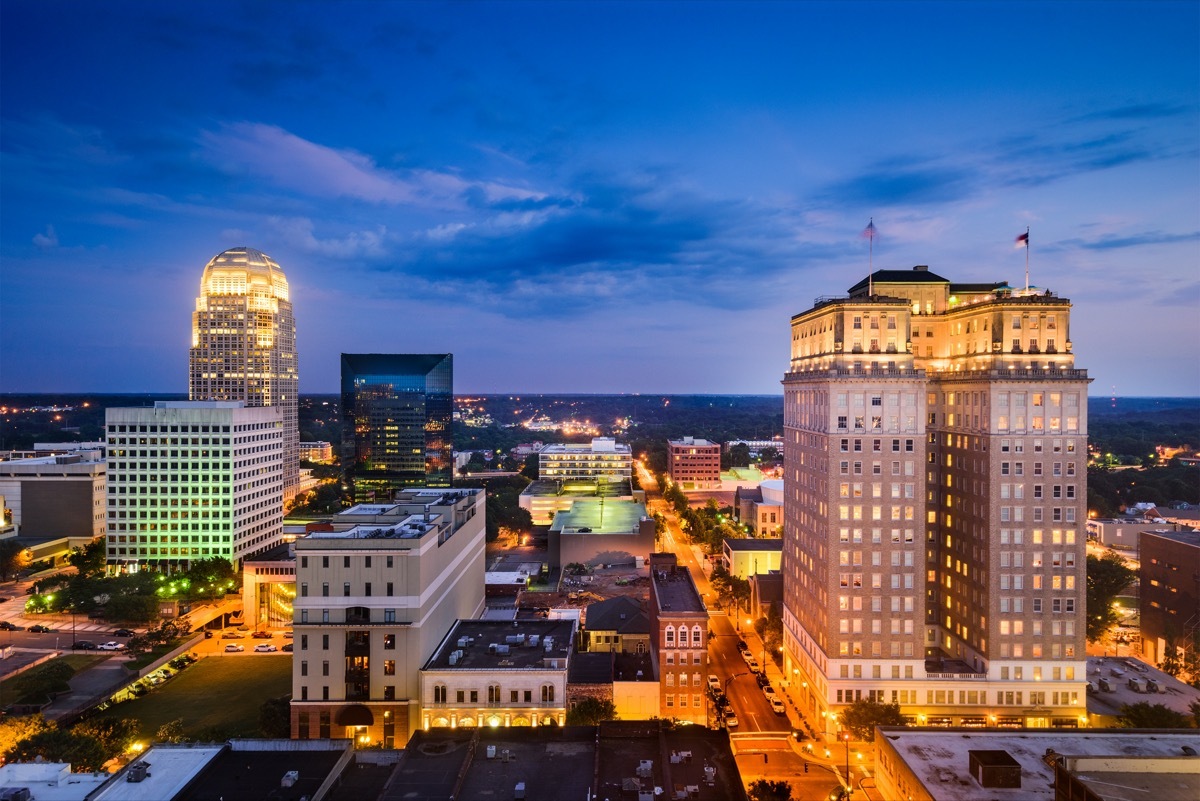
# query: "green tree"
116,735
275,717
170,732
35,686
88,560
531,467
739,455
862,716
13,559
770,790
1144,715
132,608
83,751
591,711
14,729
1107,577
1194,708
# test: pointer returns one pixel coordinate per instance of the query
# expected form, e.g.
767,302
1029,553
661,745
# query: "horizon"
567,199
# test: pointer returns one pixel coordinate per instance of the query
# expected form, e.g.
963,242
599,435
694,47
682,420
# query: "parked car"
6,626
763,681
741,644
769,691
287,634
777,706
287,646
83,645
714,683
111,646
731,722
234,648
38,628
754,666
261,635
124,633
231,635
265,648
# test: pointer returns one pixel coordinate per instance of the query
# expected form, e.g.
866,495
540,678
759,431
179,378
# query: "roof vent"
921,268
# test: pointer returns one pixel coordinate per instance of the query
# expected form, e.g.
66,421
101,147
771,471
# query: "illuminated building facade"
193,480
376,592
603,459
679,631
397,411
244,343
694,463
935,446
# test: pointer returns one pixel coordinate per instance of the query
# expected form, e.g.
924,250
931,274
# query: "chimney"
921,268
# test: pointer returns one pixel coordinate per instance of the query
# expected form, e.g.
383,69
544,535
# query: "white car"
111,646
754,666
769,691
714,683
234,648
265,648
776,705
731,722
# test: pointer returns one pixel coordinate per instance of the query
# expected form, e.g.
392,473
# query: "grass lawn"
220,692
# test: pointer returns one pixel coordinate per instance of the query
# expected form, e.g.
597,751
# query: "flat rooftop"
1174,694
579,488
172,768
240,774
589,516
676,591
1187,537
521,644
411,528
749,544
939,758
50,781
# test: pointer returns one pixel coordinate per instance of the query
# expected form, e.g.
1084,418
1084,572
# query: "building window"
389,667
389,642
439,693
547,693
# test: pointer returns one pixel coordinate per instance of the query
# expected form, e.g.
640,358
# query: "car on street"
123,633
777,705
83,645
754,666
265,648
234,648
746,655
231,635
287,635
763,681
111,646
6,626
714,683
731,722
38,628
287,646
741,644
768,691
261,635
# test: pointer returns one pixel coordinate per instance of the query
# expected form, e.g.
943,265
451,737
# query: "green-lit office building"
396,412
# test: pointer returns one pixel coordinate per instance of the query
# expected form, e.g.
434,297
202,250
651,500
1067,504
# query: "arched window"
493,693
641,647
695,636
670,636
547,693
439,693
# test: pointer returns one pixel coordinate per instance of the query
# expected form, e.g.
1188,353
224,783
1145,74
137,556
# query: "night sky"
588,197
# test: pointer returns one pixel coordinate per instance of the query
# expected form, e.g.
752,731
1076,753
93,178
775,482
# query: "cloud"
1137,111
889,184
48,240
298,232
1112,242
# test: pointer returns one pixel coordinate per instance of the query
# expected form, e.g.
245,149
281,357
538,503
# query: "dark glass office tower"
396,413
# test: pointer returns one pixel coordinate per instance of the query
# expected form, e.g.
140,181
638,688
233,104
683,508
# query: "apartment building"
603,459
679,640
935,446
193,480
694,463
375,595
1169,582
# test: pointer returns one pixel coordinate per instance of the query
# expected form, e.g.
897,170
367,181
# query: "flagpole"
871,258
1027,258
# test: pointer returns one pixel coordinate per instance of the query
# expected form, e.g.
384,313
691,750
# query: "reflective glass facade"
397,410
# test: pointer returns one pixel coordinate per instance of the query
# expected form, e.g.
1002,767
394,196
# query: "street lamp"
849,781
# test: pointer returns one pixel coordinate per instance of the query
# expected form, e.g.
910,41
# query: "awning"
354,715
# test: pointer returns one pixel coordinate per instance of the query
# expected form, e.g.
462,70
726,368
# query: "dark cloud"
883,186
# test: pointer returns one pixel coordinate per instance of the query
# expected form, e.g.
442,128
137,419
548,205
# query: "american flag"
1023,240
870,231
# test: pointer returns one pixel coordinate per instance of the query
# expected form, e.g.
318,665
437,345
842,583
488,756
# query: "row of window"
494,695
366,561
367,589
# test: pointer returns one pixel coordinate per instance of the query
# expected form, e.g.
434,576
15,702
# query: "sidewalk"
90,687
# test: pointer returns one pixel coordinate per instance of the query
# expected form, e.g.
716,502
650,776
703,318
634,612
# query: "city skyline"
639,195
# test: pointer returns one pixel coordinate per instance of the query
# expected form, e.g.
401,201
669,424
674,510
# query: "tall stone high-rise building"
934,504
244,343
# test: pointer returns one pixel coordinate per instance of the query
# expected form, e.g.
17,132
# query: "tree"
170,732
862,716
1145,715
275,717
1194,708
13,559
15,729
768,790
88,560
739,455
83,751
1107,577
132,608
115,735
591,711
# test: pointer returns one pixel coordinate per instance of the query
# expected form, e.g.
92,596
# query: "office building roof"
171,769
589,516
750,544
504,645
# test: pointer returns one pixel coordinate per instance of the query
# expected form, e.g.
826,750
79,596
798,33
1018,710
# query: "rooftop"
1174,694
172,768
939,757
411,527
689,441
504,645
590,516
268,769
1186,537
579,488
597,445
50,781
676,592
622,614
750,544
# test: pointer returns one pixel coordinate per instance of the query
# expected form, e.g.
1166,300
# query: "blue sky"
588,197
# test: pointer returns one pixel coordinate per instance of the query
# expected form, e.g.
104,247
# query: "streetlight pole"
849,780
